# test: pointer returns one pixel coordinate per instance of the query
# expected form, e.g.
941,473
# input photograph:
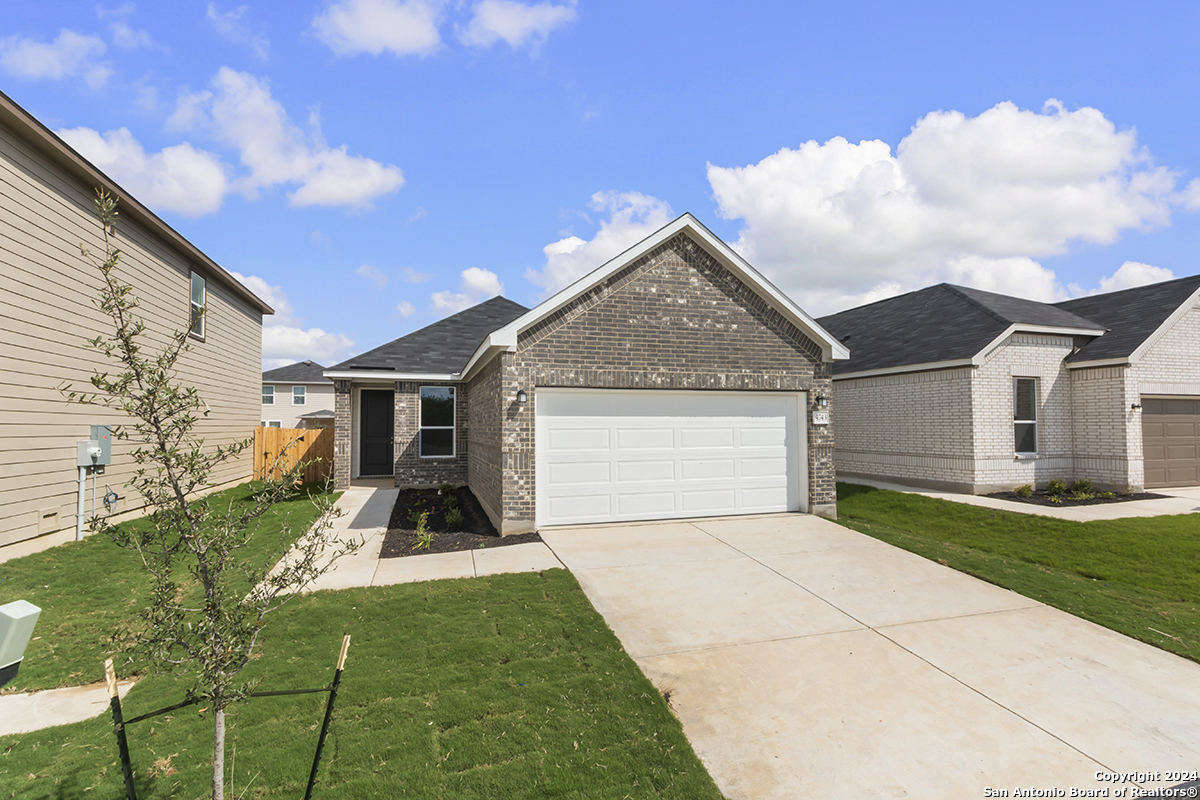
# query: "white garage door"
615,455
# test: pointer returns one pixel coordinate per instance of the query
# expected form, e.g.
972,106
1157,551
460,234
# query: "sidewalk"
1179,501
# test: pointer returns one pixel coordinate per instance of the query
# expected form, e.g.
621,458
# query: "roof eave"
390,375
1051,330
1099,362
50,145
927,366
1151,340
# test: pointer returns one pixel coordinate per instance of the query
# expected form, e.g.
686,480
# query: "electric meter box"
16,627
103,436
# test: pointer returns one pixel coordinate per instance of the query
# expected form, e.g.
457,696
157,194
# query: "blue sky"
370,166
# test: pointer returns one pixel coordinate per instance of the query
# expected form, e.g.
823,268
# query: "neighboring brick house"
48,312
672,382
957,388
297,396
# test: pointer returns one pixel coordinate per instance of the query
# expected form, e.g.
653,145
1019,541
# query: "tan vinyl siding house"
47,312
297,396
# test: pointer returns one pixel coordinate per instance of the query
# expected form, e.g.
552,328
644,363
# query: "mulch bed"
1043,499
477,530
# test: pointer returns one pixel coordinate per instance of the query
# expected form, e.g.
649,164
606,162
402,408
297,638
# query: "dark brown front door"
1171,441
375,450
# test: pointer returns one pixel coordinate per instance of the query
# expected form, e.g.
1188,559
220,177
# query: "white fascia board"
1176,315
1050,330
388,375
506,338
1102,362
928,366
484,354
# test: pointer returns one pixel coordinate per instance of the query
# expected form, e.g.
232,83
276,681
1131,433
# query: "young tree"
213,639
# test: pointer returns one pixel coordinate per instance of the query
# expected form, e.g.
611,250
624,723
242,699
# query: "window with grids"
437,422
268,395
199,303
1025,415
298,393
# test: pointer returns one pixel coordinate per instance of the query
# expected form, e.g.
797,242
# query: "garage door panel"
1183,428
638,471
669,454
692,438
568,473
579,439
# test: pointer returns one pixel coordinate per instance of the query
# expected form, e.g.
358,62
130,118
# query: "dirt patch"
1065,501
475,533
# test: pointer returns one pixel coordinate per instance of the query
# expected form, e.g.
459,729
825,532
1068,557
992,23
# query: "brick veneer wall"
1102,425
1022,356
410,468
913,427
483,450
674,319
342,446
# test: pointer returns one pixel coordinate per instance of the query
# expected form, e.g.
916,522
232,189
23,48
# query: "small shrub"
1107,495
424,536
1056,487
1082,486
1025,491
1055,498
454,519
446,488
1082,495
450,503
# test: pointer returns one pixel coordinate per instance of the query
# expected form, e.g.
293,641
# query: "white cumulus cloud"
631,217
405,309
372,275
1129,275
517,24
285,340
69,55
403,27
964,199
180,178
241,112
232,27
475,286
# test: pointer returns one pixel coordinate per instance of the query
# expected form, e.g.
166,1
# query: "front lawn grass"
87,589
509,686
1138,576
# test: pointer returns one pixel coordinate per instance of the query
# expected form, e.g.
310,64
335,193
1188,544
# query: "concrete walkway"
1185,500
32,711
807,660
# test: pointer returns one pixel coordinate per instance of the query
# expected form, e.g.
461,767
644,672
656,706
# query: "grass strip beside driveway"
505,686
1138,576
88,589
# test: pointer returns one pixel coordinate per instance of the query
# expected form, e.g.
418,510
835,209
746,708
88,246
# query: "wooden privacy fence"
314,446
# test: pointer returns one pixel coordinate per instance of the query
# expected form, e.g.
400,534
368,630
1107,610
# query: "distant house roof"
1131,315
442,348
300,372
324,413
942,323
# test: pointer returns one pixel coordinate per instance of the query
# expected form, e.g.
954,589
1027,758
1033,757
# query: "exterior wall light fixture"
1136,407
521,396
822,401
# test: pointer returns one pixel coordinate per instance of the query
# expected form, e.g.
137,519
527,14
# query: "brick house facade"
949,423
679,312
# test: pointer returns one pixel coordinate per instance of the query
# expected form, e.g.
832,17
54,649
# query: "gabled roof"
940,326
49,145
302,372
438,350
506,338
1133,317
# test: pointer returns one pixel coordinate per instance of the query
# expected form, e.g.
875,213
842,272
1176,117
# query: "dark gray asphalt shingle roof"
1131,315
303,372
938,323
440,348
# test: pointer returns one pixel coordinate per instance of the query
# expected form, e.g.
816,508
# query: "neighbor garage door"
1171,441
614,455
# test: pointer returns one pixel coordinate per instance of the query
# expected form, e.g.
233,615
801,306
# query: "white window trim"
1034,422
303,395
271,423
453,427
266,394
192,320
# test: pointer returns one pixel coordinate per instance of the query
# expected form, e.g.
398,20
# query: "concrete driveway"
809,661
